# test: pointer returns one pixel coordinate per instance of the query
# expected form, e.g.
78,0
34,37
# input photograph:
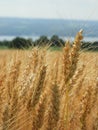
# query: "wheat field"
44,90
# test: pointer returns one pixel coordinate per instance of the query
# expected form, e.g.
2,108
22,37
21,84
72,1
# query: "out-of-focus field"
44,90
89,59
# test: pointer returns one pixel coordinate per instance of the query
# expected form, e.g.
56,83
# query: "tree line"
22,43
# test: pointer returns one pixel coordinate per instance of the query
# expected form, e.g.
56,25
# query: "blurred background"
32,19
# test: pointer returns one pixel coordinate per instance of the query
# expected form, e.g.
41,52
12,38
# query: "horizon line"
40,18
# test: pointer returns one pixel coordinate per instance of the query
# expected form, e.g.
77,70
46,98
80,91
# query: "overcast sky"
68,9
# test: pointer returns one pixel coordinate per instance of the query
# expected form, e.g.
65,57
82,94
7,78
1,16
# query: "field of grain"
44,90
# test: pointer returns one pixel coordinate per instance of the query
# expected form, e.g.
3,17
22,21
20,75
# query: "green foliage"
55,48
20,43
43,40
4,43
55,43
90,46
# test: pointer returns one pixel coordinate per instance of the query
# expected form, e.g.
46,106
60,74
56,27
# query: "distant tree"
5,43
20,43
85,45
56,41
30,41
43,40
94,46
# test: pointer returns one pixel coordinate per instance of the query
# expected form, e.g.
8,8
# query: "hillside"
37,27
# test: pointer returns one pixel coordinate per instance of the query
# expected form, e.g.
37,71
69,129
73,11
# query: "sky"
62,9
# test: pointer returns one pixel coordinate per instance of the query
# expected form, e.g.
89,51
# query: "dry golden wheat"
43,90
